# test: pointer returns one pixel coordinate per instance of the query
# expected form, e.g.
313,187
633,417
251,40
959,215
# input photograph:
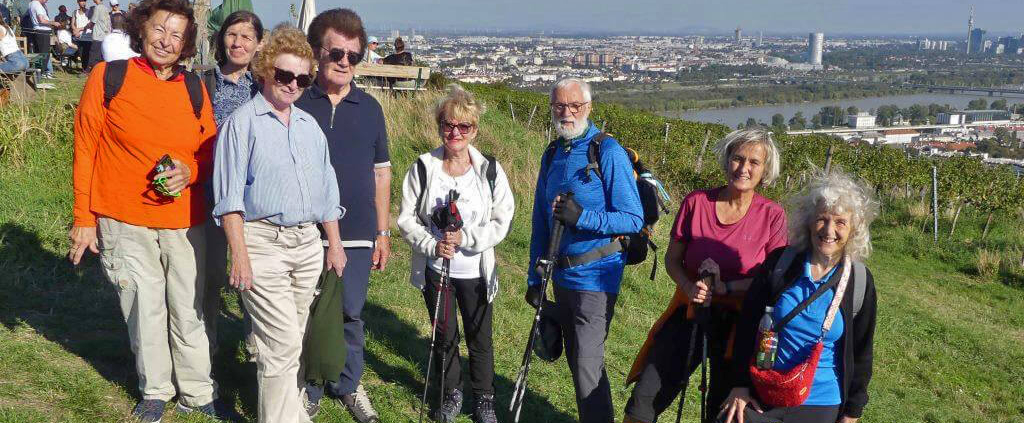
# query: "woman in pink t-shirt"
725,232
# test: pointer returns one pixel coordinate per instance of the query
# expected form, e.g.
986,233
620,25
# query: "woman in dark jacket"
829,234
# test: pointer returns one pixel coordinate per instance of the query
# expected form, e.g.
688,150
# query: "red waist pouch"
789,388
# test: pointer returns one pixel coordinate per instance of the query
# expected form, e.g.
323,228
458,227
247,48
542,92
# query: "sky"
848,17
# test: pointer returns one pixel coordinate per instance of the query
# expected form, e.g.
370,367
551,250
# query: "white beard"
579,128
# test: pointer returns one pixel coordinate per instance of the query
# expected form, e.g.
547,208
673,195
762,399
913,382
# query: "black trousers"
470,296
84,48
95,53
799,414
666,375
584,317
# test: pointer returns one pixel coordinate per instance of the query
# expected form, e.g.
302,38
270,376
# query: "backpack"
859,276
421,171
113,79
654,200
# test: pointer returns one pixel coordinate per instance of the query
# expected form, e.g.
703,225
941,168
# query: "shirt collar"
807,271
354,93
143,63
246,77
263,107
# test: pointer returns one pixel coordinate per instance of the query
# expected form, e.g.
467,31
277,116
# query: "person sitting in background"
151,225
371,45
39,34
273,183
829,233
726,231
65,45
63,18
400,56
117,45
473,280
12,59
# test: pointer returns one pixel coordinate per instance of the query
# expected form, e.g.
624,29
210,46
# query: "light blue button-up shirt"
267,170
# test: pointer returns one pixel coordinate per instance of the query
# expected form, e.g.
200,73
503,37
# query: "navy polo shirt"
358,143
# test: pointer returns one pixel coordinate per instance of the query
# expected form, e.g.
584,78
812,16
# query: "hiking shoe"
214,410
149,411
484,412
450,407
312,408
358,405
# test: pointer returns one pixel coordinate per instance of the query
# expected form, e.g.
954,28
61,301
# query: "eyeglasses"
335,54
285,77
572,107
464,128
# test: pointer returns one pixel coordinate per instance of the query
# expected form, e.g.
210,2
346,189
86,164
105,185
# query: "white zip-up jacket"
481,238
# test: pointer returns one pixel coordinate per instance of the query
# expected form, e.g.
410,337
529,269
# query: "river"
737,115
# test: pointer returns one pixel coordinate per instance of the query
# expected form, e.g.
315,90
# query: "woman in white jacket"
486,205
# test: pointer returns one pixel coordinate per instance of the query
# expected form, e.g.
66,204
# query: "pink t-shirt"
738,248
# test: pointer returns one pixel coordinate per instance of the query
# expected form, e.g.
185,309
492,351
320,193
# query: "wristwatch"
385,233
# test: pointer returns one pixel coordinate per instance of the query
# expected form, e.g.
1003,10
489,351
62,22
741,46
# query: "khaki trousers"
286,264
158,275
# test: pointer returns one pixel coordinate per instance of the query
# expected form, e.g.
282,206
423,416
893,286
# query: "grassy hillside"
949,345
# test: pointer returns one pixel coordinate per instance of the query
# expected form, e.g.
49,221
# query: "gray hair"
565,82
836,192
772,162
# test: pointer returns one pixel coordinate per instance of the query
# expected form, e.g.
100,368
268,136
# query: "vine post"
512,110
664,144
703,146
935,204
530,120
828,158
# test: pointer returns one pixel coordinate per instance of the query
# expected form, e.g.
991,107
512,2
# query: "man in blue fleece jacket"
602,207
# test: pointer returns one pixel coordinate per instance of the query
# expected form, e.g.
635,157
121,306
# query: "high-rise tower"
970,28
815,47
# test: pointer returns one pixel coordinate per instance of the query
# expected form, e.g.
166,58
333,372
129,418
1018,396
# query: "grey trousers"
585,321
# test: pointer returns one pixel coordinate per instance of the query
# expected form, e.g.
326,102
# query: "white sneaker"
358,404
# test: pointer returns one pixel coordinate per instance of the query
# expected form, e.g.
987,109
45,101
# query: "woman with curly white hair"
804,340
724,232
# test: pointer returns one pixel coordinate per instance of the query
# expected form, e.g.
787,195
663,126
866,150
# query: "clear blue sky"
675,16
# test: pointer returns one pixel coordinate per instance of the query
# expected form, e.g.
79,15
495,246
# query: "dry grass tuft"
988,262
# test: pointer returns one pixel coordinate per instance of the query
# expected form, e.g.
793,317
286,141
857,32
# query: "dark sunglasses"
463,127
285,77
335,54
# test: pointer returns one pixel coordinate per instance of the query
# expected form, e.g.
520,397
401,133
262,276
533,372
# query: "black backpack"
113,79
653,199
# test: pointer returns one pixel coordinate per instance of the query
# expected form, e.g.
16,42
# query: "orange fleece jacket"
116,148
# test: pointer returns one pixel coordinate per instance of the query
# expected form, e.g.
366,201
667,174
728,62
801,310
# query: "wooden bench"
22,44
379,76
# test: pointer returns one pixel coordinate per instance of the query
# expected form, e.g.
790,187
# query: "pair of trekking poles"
446,219
701,316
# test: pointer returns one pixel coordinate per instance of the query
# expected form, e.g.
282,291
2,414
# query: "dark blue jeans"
355,282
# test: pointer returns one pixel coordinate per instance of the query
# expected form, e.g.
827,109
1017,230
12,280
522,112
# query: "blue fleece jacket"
611,206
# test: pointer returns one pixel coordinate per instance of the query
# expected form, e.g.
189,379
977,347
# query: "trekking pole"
446,284
447,219
693,312
548,262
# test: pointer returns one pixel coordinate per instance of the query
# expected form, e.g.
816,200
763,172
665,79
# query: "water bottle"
767,341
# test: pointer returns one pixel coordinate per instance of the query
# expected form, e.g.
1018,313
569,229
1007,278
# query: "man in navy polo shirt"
353,122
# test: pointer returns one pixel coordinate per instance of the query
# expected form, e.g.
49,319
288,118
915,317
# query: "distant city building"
739,34
860,120
951,119
815,47
899,136
970,32
976,44
976,116
760,38
1010,45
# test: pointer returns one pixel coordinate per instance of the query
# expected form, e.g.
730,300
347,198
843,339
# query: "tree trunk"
988,223
204,55
956,216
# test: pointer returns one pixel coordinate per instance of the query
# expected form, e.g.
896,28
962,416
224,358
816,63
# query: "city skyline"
775,17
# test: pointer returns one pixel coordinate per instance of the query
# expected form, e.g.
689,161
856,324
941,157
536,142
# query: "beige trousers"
286,264
158,275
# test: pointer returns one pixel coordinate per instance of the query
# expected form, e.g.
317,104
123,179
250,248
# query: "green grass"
949,345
